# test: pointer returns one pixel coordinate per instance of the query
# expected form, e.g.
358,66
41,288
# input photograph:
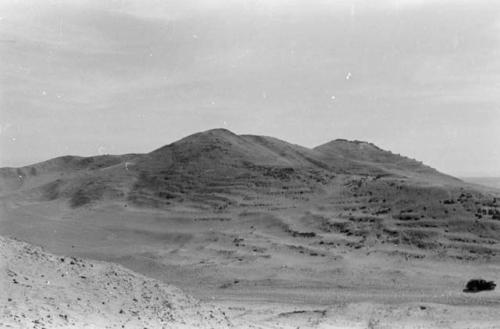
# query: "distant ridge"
265,149
485,181
214,164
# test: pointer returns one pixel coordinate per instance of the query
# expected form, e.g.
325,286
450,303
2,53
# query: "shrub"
477,285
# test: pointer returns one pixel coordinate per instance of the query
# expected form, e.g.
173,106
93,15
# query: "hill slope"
253,219
41,290
369,159
372,193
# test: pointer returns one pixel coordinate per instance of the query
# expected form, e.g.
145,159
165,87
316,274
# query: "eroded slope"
41,290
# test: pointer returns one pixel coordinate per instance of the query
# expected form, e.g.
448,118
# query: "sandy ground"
366,315
41,290
247,264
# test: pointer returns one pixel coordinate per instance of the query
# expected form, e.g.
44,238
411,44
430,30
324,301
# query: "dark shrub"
166,195
302,234
477,285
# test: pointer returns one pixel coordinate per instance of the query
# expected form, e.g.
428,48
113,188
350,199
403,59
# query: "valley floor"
262,275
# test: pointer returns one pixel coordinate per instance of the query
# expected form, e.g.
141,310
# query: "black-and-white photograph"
250,164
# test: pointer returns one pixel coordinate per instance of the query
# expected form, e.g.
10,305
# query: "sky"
420,78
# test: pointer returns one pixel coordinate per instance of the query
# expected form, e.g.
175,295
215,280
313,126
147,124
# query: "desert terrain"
40,290
261,233
485,181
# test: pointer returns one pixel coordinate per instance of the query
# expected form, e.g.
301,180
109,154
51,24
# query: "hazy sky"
420,78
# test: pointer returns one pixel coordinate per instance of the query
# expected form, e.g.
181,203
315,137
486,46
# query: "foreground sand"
41,290
367,315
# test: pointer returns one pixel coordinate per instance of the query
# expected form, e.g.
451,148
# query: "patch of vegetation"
280,173
166,195
78,199
407,216
477,285
221,219
382,211
418,238
92,191
51,190
301,234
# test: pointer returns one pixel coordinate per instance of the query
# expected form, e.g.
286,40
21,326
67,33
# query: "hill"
212,167
253,219
217,171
